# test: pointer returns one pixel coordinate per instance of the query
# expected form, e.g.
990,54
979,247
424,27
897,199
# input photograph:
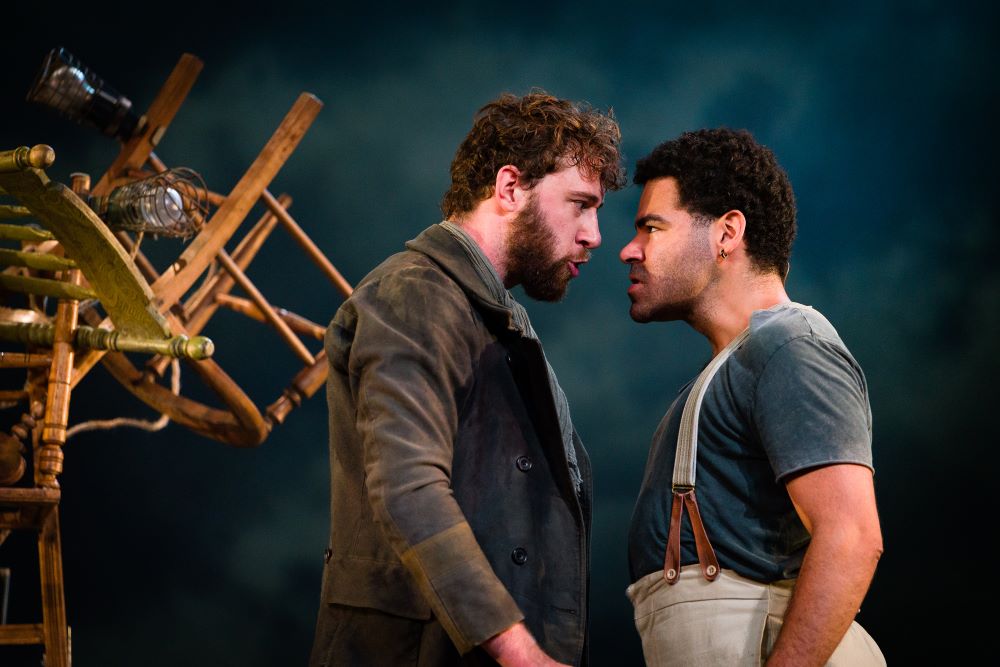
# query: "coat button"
523,463
519,556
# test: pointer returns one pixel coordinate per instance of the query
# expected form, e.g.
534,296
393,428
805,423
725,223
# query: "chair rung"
8,212
35,260
57,289
23,634
38,496
24,233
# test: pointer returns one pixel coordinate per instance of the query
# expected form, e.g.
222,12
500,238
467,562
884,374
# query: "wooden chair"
51,348
146,310
240,422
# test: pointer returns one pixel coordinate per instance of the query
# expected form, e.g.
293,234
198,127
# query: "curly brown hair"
539,134
720,170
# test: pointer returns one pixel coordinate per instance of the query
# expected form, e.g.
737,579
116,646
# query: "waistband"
652,592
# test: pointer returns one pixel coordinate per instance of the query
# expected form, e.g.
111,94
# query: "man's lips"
574,264
635,281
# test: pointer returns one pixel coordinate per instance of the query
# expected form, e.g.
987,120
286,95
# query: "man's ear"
729,230
507,194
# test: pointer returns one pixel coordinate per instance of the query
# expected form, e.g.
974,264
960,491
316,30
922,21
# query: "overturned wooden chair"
131,306
50,349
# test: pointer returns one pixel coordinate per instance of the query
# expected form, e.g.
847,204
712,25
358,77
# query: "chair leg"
57,649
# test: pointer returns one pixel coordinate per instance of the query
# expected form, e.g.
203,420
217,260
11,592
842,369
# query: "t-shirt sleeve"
811,407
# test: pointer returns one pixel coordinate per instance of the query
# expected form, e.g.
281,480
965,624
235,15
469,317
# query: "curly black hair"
538,134
719,170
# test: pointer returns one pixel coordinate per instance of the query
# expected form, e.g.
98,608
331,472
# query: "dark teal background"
181,551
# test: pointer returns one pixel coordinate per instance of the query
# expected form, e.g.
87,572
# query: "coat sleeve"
411,363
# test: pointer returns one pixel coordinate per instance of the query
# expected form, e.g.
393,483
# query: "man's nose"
589,235
632,252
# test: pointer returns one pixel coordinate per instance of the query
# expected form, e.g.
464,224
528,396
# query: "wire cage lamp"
73,90
172,203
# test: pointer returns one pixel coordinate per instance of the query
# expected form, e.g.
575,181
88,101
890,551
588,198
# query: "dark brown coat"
452,501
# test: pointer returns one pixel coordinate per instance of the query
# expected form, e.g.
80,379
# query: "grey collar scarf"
484,269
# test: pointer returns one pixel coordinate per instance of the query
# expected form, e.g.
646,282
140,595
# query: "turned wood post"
50,456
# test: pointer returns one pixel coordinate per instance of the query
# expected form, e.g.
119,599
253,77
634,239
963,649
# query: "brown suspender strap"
685,459
706,554
672,561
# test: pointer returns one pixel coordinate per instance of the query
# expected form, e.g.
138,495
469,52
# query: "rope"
144,424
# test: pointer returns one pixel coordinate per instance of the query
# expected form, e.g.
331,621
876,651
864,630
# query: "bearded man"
461,494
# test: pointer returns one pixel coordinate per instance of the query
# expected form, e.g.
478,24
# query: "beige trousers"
729,621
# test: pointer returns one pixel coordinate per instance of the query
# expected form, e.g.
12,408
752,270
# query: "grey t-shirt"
790,398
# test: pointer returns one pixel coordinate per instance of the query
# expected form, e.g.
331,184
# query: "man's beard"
676,290
531,260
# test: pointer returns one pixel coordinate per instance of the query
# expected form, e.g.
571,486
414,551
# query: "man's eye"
650,229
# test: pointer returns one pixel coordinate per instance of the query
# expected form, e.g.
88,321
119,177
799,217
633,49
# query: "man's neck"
488,231
723,317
